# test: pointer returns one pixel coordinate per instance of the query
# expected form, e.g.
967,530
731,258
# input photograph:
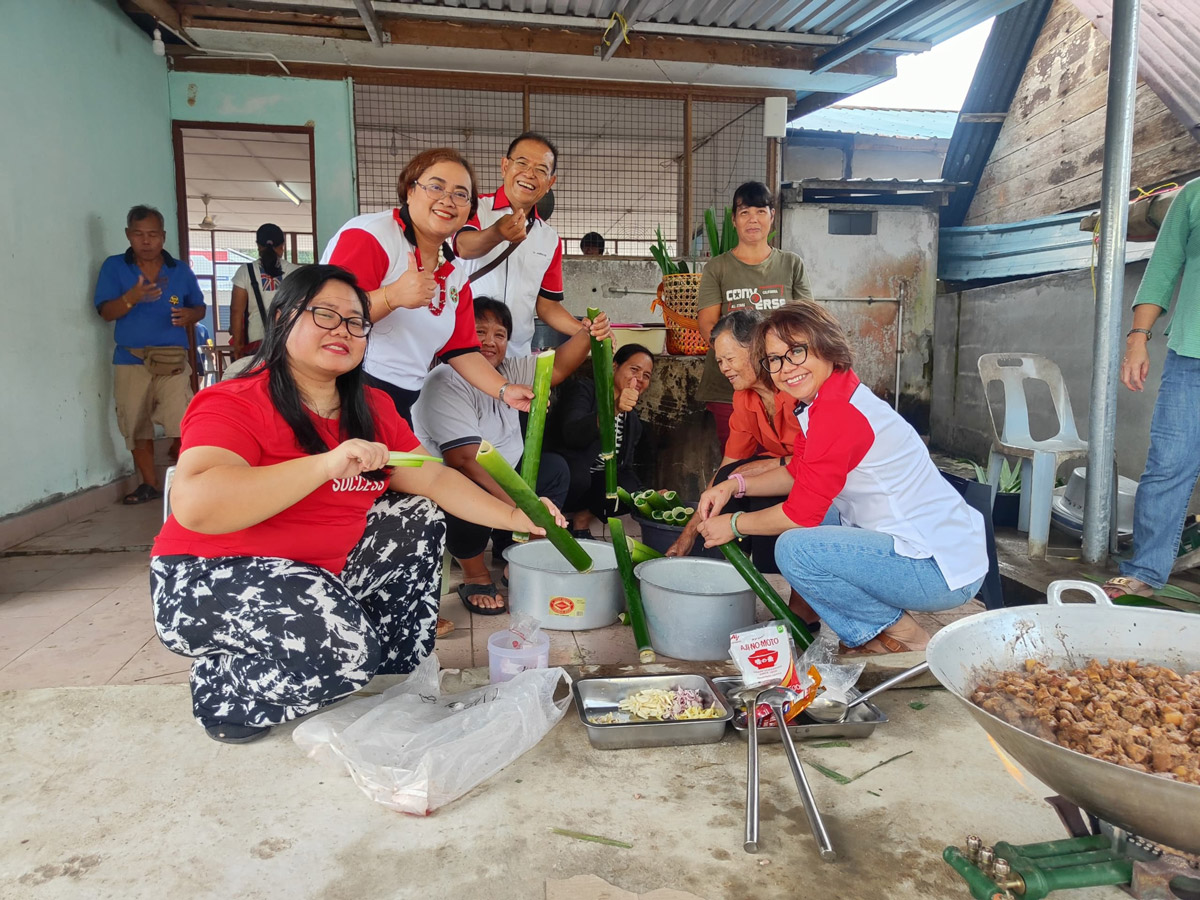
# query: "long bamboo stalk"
771,600
531,457
527,501
633,596
602,373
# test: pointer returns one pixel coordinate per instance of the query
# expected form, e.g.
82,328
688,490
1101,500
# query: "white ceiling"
238,171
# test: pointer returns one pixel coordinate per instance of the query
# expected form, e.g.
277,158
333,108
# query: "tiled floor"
75,610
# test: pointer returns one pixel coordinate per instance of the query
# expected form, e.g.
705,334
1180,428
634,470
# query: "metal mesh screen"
394,123
728,148
620,168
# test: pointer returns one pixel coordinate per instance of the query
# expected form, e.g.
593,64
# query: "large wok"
967,652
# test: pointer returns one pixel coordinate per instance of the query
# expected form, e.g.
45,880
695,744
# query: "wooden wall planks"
1048,158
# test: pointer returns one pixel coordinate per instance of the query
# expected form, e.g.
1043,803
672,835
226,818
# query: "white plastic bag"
414,749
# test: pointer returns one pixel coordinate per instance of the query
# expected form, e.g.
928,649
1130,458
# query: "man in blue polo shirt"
153,298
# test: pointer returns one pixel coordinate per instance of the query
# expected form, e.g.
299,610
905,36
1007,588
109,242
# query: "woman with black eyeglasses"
296,565
906,541
420,293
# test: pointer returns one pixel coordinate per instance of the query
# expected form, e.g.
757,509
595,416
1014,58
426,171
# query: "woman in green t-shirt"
753,275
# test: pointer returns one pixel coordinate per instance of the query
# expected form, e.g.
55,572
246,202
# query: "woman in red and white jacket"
420,292
906,541
295,564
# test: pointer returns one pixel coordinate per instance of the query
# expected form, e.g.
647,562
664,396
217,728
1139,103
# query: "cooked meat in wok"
1140,716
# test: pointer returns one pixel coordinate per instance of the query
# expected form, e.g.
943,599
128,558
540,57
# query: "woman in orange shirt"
763,433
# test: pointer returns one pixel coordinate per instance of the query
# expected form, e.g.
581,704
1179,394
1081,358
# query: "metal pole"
1110,276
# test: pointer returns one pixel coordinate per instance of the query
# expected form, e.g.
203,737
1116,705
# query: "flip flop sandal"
882,643
143,494
228,733
1123,586
444,627
467,591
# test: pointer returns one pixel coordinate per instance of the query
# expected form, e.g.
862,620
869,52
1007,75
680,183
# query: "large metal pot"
692,605
964,654
542,584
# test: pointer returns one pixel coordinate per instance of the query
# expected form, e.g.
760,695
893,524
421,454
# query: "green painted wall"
86,134
257,100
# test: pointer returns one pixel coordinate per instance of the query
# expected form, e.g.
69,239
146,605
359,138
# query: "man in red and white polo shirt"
519,255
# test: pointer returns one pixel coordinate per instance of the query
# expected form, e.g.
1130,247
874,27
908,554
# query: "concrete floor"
113,792
108,788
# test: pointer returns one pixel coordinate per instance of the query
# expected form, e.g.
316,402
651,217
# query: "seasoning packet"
766,656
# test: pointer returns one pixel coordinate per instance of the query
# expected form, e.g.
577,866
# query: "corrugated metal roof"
1168,51
1021,249
833,17
901,123
997,76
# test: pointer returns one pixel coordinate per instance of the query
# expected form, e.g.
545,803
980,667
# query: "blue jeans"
1172,467
857,582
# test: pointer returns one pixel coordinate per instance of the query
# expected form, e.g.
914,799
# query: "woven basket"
677,297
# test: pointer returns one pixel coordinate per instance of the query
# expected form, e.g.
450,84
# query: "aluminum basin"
692,604
542,584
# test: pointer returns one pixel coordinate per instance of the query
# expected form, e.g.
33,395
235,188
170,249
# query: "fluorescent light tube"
288,192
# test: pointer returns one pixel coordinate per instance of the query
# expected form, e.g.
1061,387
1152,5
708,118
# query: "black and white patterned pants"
274,639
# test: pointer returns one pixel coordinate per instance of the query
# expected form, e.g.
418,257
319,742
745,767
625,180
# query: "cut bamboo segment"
531,457
399,459
606,417
633,597
527,501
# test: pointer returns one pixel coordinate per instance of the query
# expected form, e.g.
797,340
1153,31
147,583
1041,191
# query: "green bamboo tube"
527,501
625,497
633,597
602,373
644,508
640,552
657,515
657,501
766,593
531,458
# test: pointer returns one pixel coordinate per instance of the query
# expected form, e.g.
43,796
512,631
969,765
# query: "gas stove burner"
1092,857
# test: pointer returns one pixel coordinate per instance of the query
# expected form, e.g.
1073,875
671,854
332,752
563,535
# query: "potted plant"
1007,508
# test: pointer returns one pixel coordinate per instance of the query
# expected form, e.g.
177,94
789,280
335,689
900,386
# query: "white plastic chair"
1040,460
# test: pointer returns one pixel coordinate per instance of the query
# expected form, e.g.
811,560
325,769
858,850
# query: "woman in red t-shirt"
295,565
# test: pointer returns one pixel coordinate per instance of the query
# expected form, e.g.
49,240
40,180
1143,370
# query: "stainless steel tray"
597,696
861,722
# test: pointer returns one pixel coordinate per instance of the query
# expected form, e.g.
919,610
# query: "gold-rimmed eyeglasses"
523,165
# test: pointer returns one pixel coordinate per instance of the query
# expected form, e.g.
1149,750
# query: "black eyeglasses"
436,192
796,356
329,320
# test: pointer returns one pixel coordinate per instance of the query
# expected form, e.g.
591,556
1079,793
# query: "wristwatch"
1146,331
504,387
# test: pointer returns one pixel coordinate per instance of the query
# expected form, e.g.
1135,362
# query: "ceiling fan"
207,223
